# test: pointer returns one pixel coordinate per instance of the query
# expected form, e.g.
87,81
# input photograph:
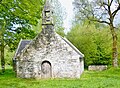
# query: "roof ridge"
72,46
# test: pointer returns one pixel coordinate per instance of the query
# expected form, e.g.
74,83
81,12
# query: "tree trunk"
2,55
2,48
114,48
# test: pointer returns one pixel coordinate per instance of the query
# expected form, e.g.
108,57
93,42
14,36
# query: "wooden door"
46,70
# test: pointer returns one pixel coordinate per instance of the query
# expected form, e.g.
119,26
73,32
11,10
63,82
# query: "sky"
67,4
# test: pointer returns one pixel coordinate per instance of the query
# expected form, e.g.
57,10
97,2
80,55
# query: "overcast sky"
67,4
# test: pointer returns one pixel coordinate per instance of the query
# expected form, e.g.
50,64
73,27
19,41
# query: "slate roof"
21,46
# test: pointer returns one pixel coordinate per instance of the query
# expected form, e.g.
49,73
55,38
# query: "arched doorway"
46,69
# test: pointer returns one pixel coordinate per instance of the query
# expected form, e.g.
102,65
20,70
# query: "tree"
94,42
118,32
102,11
2,47
17,18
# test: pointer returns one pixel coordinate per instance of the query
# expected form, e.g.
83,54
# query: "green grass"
89,79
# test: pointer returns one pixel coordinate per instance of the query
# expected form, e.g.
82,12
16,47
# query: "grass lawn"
89,79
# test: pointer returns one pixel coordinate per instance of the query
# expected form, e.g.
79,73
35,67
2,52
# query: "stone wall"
97,67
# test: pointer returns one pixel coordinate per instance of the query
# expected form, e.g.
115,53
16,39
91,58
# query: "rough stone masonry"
48,55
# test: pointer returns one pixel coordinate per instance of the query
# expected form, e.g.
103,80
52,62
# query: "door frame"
50,68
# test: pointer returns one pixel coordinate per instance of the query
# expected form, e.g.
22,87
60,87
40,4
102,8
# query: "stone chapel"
48,55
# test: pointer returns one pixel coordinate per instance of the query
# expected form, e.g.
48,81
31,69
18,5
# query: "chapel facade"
48,55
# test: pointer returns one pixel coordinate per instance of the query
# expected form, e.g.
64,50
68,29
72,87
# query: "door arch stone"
46,69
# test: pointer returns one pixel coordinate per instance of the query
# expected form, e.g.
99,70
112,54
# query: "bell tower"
47,19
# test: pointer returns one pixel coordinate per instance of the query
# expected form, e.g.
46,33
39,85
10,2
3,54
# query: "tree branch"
111,2
115,12
101,21
118,1
105,4
105,8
